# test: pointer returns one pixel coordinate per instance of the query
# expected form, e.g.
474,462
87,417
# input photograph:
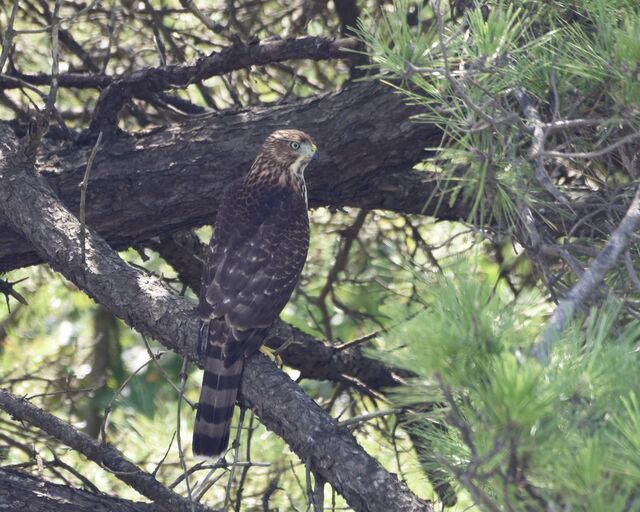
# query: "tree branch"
172,178
588,281
22,491
30,206
102,454
238,56
147,81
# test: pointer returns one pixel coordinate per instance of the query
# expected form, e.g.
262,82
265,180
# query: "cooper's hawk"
257,251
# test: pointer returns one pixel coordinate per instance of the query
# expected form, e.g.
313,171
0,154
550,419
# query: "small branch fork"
589,281
7,289
537,147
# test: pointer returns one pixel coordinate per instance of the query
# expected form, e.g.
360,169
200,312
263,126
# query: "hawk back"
256,255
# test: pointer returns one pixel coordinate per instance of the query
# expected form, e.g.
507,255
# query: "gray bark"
22,491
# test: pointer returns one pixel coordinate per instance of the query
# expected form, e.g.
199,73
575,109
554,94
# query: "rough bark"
32,208
22,491
171,178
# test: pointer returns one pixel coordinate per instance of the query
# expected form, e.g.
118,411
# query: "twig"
6,288
60,463
565,124
41,122
208,482
631,271
358,341
109,406
155,22
594,154
8,35
309,490
366,417
268,492
208,22
183,464
68,20
509,117
111,28
318,493
156,359
55,56
234,464
166,454
537,146
83,197
245,469
349,235
217,465
588,281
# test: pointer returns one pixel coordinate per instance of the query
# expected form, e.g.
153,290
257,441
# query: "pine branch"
589,281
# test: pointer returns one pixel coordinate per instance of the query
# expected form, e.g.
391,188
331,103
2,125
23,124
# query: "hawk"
257,251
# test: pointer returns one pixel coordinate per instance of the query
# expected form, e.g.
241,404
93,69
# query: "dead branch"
589,281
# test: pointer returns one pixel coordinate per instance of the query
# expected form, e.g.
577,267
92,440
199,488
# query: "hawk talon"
271,354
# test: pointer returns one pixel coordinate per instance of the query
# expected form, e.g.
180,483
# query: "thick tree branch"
172,178
31,208
145,82
22,491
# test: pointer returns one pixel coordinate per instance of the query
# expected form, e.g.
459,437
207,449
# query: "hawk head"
284,156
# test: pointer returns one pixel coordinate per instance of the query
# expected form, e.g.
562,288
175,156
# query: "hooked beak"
316,155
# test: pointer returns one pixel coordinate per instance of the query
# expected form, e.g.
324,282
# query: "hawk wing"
258,249
257,252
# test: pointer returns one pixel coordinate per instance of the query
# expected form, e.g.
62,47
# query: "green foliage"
511,433
526,437
574,58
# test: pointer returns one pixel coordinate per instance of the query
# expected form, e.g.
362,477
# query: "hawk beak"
316,155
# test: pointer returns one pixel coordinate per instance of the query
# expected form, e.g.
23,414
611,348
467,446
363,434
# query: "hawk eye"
294,145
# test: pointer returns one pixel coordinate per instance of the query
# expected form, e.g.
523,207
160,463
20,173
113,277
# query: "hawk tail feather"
220,386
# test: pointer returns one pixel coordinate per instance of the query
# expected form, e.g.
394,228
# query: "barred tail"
217,397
